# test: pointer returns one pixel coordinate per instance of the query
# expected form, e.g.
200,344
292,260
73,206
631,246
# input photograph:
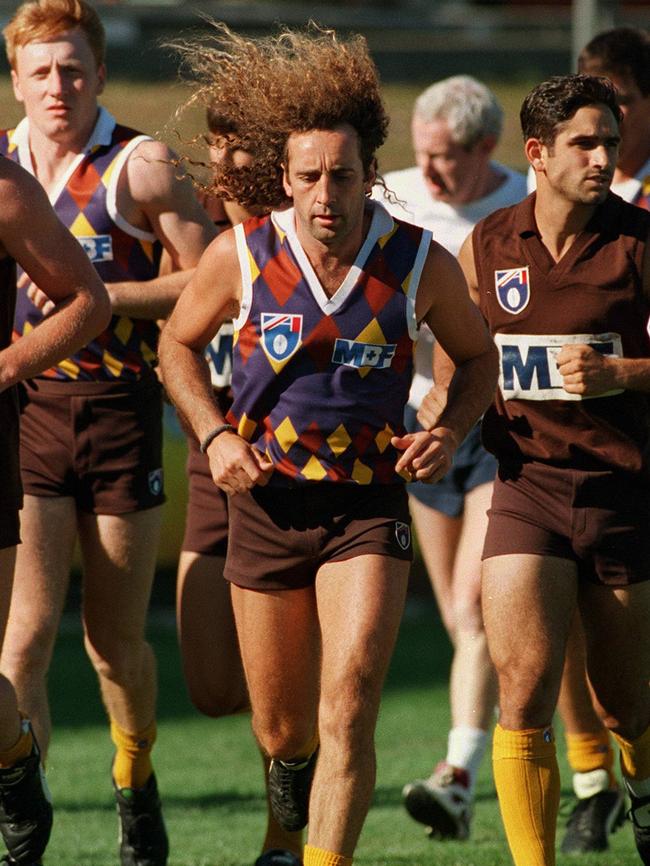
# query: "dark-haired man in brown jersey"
563,280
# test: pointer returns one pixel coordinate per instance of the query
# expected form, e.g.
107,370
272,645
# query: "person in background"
456,126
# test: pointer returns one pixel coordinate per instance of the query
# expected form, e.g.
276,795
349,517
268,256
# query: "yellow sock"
588,752
527,780
132,764
635,756
319,857
20,749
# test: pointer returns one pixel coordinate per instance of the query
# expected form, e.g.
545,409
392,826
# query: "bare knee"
218,699
284,737
526,699
116,657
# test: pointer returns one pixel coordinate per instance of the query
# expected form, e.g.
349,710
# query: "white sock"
465,748
586,785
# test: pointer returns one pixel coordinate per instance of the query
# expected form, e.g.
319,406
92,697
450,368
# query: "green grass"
210,774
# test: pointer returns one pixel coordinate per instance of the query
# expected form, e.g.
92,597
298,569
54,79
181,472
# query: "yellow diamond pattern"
108,172
407,282
81,228
286,434
313,469
112,364
361,473
255,271
382,439
383,240
69,368
372,333
339,440
123,330
246,427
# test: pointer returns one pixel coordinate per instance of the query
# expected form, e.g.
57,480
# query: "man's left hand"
427,455
585,371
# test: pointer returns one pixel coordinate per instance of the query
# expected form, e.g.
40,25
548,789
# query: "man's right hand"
235,465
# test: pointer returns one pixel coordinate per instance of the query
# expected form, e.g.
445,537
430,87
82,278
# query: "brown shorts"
10,487
9,524
598,519
206,520
281,536
97,442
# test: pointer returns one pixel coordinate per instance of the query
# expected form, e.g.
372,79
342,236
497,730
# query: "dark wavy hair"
557,100
264,89
621,51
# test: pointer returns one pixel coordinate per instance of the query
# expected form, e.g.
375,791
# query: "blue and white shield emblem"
513,289
281,335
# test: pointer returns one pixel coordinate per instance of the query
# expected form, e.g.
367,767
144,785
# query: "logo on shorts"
548,735
403,534
281,335
156,482
513,289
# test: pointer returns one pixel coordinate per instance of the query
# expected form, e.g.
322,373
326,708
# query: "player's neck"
332,261
560,222
52,157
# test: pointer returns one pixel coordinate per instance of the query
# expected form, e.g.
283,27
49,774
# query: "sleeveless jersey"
86,204
534,306
320,383
9,465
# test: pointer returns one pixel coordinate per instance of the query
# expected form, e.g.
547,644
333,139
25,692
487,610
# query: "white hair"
469,107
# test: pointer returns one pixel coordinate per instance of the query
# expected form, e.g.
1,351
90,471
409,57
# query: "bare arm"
32,234
443,367
444,304
211,297
153,195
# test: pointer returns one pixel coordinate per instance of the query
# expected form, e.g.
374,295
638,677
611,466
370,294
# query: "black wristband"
212,435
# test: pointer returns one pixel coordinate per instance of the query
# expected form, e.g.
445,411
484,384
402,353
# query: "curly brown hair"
267,88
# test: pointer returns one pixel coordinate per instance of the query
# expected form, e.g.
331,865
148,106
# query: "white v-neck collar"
380,224
101,135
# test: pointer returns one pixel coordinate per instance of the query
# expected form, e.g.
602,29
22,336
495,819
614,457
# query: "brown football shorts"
97,442
280,536
206,519
598,519
10,489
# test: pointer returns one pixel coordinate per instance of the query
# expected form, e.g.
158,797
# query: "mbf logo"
98,248
218,354
528,365
351,353
513,289
281,335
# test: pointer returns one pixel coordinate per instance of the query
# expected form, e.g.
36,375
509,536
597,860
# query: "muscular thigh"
528,603
119,556
360,605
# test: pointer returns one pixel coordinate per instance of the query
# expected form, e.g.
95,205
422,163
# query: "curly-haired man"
327,297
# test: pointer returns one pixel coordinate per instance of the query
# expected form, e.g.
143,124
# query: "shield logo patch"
281,335
403,534
513,289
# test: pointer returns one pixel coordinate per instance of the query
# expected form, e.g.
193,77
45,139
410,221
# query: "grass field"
210,774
